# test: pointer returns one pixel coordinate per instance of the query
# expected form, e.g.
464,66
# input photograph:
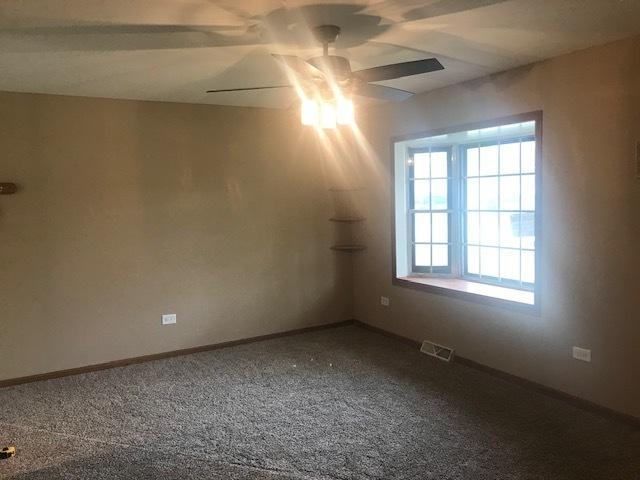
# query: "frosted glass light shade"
345,112
327,115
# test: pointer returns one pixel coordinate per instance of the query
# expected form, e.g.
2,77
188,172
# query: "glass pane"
473,194
421,165
489,233
473,260
509,158
440,229
510,230
529,242
528,157
528,231
528,266
527,224
489,193
510,264
439,195
422,255
510,193
509,129
489,160
528,192
422,227
489,130
421,195
472,162
440,255
439,164
473,228
489,262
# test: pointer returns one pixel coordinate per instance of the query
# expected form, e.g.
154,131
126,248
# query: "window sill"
472,291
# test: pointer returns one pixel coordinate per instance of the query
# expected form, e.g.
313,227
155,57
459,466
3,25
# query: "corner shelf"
347,219
346,215
348,248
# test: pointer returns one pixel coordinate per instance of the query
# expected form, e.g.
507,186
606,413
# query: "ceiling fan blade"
248,88
300,66
381,92
117,29
397,70
128,37
447,7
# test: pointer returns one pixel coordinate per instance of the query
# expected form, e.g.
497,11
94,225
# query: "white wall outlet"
384,301
169,318
582,354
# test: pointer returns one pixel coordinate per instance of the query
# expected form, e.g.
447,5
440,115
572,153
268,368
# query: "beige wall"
128,210
591,227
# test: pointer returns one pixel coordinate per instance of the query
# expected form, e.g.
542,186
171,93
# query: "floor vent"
438,351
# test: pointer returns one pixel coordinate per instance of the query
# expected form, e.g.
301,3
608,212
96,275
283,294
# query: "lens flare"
327,115
345,111
310,112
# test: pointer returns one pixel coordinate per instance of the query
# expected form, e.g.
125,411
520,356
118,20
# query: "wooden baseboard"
523,382
157,356
387,333
573,400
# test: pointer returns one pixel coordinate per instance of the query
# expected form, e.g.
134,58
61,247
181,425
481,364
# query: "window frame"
456,223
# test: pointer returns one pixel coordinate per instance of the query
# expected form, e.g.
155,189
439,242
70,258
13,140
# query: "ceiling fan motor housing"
334,66
326,33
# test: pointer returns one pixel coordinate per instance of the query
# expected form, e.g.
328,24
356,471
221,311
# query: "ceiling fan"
318,74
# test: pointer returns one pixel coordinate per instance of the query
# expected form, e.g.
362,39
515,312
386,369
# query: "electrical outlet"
169,318
582,354
384,301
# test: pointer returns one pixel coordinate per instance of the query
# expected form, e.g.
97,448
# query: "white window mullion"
456,213
499,217
408,192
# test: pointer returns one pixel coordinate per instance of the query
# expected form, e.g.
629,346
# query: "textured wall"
128,210
591,226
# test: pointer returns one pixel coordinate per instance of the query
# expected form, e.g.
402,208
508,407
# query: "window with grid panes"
467,202
430,209
498,187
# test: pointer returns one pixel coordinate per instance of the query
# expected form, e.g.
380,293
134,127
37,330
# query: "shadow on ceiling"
288,27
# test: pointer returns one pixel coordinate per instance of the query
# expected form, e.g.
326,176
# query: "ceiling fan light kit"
326,84
327,113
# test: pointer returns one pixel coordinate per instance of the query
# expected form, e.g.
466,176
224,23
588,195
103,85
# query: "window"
466,214
430,209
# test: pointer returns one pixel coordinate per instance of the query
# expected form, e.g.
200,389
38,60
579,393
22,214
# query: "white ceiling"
174,50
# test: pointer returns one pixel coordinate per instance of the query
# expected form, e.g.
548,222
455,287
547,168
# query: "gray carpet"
343,403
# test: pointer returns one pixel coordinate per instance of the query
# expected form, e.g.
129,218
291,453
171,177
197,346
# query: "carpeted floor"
342,403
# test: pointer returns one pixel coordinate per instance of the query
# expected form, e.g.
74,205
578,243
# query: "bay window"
466,204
